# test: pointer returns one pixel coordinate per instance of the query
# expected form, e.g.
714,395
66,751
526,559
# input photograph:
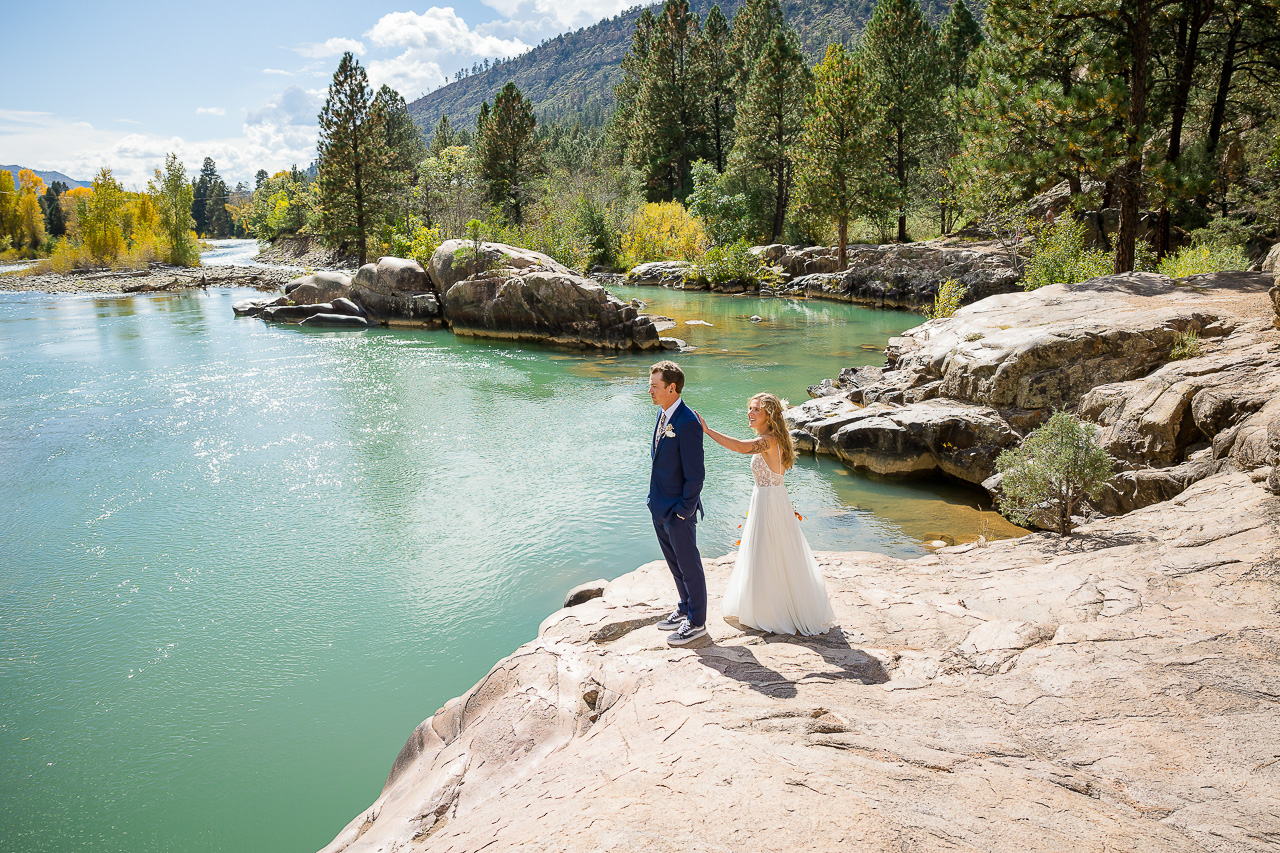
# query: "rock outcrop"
957,391
318,287
897,276
398,292
1118,689
659,273
526,296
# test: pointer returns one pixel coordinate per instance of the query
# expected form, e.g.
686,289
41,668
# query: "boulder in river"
342,321
659,273
397,289
318,287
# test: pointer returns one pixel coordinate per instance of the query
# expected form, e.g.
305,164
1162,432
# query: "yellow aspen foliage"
663,231
101,214
30,222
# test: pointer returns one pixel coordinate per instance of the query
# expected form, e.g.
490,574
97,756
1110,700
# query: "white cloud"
332,47
429,39
277,71
211,111
549,17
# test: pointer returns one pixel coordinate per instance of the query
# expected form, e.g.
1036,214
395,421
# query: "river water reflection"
242,561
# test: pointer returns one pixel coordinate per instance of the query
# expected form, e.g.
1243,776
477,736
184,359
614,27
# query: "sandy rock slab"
1117,690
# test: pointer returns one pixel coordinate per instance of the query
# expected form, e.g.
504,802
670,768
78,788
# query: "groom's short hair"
671,374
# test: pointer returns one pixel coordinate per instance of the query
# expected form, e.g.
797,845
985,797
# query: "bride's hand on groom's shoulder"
701,421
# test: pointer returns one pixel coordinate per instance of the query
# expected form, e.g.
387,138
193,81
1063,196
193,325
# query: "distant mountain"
571,77
49,177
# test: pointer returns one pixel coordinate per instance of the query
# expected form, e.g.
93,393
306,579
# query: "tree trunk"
362,249
901,172
844,242
1130,173
1224,86
1189,45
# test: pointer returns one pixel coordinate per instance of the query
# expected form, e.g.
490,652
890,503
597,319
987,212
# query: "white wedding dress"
776,585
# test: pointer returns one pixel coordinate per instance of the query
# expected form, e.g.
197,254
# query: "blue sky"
120,84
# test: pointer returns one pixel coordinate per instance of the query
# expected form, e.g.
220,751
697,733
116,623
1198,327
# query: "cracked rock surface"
1115,690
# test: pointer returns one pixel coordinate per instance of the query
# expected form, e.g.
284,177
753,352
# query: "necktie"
662,425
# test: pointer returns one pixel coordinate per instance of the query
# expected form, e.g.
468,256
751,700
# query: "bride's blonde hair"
777,427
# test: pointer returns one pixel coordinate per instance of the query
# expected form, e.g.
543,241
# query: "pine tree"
55,218
354,164
958,38
260,178
402,136
172,196
840,158
444,137
217,218
770,120
904,67
507,153
754,27
669,122
717,79
203,188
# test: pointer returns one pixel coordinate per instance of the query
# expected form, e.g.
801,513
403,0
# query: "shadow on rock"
741,663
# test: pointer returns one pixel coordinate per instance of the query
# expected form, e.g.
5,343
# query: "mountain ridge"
571,76
49,176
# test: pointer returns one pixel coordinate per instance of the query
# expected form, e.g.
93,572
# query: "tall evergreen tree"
840,158
754,26
958,38
904,67
717,79
202,190
218,223
403,140
770,121
507,152
260,178
669,112
354,164
444,137
55,218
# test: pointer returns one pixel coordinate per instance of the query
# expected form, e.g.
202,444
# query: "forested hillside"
571,77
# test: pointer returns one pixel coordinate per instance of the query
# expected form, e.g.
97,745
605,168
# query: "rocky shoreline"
147,281
1114,690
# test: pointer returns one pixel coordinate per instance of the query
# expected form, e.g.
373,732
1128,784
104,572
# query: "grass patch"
1188,345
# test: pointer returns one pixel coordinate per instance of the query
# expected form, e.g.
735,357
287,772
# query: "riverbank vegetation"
934,120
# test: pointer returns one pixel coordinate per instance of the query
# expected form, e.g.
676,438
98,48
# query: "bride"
776,584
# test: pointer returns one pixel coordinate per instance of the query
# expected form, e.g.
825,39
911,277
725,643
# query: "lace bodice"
763,474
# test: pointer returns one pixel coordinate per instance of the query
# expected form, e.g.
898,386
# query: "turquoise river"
241,562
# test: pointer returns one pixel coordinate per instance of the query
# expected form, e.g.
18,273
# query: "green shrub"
413,239
1209,256
950,295
730,264
1188,345
1047,478
725,215
1061,256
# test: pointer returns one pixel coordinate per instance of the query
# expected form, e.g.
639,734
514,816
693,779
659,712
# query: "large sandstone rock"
1271,263
1114,690
455,260
318,287
659,273
1102,348
397,290
548,306
908,276
921,439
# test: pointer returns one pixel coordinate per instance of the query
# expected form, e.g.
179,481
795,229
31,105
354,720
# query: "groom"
674,488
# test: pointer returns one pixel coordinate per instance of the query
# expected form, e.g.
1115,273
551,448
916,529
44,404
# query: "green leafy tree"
507,152
904,69
770,121
449,194
840,156
101,214
1051,474
172,194
724,215
354,163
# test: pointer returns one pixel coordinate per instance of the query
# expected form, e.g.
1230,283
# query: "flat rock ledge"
955,392
1115,690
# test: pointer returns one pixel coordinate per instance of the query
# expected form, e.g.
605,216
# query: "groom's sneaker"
686,633
670,623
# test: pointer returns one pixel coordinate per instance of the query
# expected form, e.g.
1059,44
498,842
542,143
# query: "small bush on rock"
1053,472
947,302
1061,256
1186,346
733,263
1209,256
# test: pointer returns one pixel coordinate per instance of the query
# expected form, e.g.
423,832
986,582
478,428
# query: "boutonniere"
670,431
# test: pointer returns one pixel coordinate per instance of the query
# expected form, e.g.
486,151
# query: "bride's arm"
759,444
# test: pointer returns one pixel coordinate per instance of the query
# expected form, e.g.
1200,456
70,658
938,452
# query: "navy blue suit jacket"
675,486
